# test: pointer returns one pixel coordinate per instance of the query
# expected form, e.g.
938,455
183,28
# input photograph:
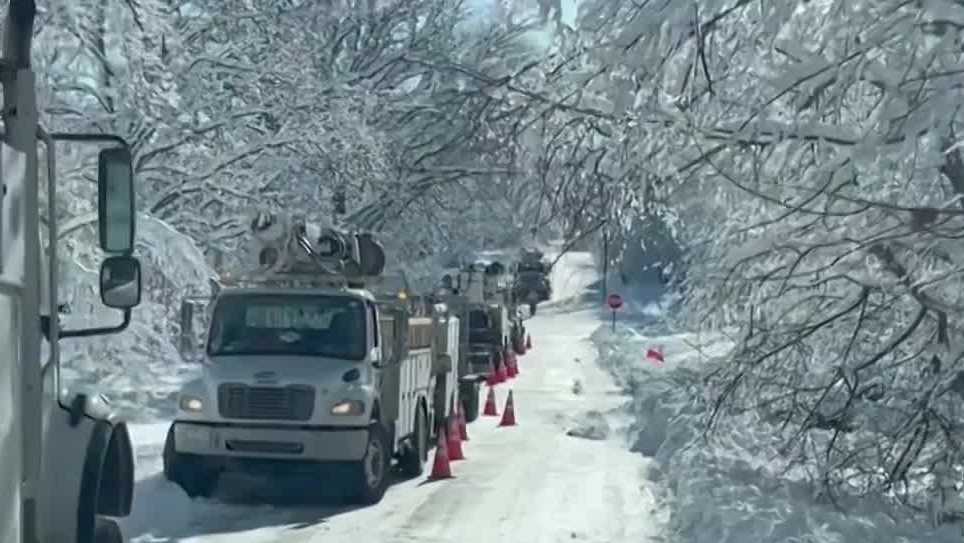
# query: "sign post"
615,301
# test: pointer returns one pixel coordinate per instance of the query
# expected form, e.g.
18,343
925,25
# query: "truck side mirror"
115,201
120,282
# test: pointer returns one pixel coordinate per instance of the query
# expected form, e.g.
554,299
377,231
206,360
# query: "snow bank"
590,425
728,489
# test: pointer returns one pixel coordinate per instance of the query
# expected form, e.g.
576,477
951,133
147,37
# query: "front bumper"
319,444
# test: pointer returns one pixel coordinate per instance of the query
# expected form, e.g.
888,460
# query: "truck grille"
239,401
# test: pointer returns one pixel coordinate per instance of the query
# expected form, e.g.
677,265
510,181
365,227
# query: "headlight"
191,404
348,407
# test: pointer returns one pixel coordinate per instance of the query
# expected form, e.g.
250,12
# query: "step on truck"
67,464
315,361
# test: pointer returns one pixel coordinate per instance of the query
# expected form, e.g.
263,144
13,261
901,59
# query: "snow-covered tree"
807,155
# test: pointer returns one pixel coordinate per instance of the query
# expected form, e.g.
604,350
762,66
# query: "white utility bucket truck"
66,462
307,363
478,293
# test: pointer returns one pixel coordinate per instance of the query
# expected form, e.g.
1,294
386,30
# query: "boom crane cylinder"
294,245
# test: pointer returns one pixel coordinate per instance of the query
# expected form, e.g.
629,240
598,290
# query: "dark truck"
531,284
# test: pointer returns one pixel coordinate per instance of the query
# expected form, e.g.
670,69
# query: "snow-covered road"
532,482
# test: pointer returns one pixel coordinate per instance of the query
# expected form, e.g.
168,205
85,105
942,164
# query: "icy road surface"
530,483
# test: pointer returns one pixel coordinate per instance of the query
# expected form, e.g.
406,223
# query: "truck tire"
532,308
413,460
371,474
469,396
107,531
188,471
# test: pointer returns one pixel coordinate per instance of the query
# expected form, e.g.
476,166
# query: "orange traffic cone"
528,342
508,416
441,468
490,409
454,442
655,355
500,375
492,379
513,367
463,427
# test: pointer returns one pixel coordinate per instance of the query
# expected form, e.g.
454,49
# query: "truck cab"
68,466
311,366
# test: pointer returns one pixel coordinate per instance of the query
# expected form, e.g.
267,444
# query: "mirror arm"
71,136
45,326
89,332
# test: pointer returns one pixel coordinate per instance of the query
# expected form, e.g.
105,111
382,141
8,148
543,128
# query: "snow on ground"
531,483
720,492
608,449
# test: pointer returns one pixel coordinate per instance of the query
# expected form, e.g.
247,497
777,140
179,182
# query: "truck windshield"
286,324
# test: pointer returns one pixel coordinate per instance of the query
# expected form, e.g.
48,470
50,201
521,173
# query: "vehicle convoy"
67,461
531,284
490,324
313,360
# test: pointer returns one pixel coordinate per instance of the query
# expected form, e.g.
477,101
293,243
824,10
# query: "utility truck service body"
308,363
67,461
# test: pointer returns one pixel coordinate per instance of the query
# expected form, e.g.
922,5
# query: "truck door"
389,374
12,260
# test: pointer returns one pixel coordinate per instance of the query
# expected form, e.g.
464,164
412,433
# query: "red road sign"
615,301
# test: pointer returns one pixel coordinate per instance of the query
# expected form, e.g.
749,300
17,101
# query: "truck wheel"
413,461
188,471
371,474
532,309
107,531
469,396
